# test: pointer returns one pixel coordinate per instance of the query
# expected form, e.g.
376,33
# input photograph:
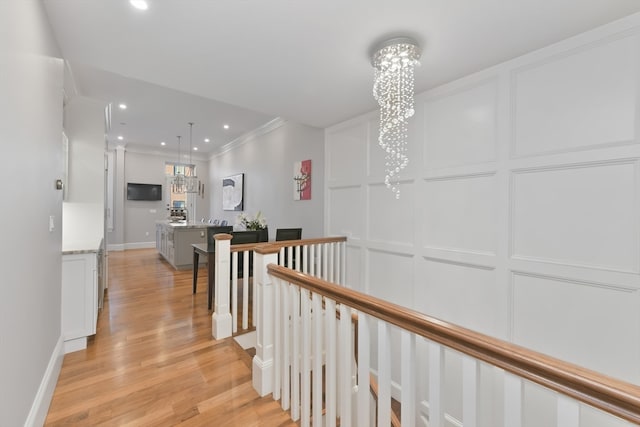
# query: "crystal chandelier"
191,180
394,61
178,184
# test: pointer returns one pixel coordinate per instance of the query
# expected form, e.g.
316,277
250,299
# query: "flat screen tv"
144,191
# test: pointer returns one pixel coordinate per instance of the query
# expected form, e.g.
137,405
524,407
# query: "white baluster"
408,368
568,412
312,260
234,292
331,368
436,386
305,258
512,400
344,366
298,259
295,353
470,390
286,346
343,264
364,395
331,264
221,321
384,374
317,359
245,290
306,357
262,373
325,263
277,339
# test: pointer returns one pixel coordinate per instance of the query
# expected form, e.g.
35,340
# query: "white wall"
30,256
519,215
83,209
267,162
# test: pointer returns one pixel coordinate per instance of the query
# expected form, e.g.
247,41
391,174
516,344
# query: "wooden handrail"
286,243
611,395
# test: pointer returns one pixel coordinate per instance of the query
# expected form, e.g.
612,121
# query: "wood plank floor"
153,361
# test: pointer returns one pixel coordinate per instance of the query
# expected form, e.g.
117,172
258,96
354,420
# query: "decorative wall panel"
391,277
460,128
399,225
594,325
584,215
345,205
460,214
462,294
579,100
346,152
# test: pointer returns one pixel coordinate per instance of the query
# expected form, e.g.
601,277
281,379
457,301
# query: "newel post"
262,374
221,321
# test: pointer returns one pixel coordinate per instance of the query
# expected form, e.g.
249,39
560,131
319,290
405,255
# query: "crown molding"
243,139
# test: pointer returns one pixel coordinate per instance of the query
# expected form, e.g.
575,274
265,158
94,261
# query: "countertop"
182,225
81,247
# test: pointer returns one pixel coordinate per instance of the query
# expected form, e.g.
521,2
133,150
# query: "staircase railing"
234,288
305,358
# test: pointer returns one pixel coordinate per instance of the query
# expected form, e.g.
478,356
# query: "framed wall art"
233,193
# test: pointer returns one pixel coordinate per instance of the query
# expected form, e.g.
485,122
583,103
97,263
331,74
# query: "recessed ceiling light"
226,126
207,140
122,106
195,148
120,137
139,4
163,143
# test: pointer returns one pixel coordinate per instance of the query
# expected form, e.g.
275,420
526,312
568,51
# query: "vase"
263,235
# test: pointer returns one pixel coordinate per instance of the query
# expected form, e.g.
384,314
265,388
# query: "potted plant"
258,223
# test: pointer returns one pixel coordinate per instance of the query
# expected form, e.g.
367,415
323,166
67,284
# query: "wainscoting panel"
581,99
346,152
584,215
462,294
592,324
460,214
460,128
391,277
399,226
345,204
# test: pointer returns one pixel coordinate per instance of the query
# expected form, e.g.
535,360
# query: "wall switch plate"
52,223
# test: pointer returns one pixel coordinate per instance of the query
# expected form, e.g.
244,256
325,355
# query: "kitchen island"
174,240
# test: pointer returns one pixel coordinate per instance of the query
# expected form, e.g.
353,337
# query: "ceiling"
247,62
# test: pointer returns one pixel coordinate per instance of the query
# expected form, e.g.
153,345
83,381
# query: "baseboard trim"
40,407
135,245
139,245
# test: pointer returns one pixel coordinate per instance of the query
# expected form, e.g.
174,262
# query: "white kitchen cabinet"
80,273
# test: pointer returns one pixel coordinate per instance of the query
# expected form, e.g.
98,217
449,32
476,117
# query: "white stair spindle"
331,266
277,339
344,366
384,374
470,390
568,412
306,358
286,345
512,400
364,395
305,258
325,258
316,394
234,292
312,260
295,353
331,368
436,386
245,291
408,370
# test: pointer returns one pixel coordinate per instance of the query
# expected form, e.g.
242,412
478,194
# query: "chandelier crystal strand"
393,88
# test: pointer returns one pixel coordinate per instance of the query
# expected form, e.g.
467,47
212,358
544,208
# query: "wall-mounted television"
144,191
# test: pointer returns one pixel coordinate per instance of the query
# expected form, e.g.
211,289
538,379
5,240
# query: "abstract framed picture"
233,193
302,180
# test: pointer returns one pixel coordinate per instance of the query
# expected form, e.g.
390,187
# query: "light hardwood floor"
153,361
